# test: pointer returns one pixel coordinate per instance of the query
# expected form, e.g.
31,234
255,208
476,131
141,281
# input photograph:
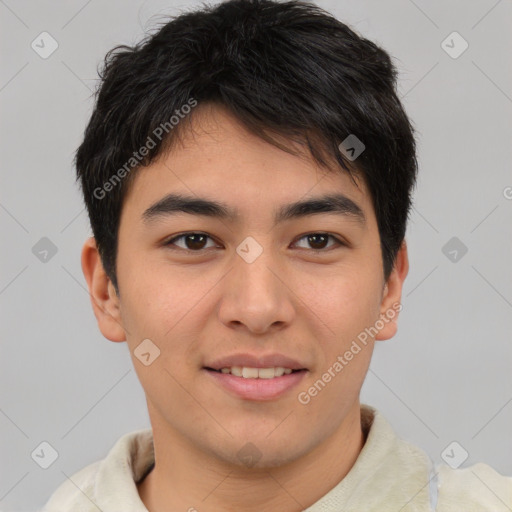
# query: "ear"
104,299
392,294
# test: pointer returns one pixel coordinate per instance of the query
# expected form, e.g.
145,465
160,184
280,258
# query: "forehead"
216,156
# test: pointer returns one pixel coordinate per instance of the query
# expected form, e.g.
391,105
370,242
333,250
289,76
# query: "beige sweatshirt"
390,475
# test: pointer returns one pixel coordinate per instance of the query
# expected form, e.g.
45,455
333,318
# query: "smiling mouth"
257,384
247,372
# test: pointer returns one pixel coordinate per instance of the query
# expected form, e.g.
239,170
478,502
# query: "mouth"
248,372
258,384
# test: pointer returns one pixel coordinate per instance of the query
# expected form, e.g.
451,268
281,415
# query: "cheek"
154,298
343,303
168,309
156,310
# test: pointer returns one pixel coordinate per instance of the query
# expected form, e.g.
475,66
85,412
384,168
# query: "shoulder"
111,480
477,488
73,493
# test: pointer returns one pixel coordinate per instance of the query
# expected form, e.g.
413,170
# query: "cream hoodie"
390,475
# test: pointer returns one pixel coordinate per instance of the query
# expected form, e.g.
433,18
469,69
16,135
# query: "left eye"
318,241
198,241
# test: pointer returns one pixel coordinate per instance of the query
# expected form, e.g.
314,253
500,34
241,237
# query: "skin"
196,306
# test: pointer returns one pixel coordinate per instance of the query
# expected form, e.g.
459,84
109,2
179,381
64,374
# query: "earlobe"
104,300
392,294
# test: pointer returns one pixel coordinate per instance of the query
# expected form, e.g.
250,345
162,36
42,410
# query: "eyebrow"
177,203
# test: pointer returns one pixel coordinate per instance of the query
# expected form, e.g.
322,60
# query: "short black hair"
288,68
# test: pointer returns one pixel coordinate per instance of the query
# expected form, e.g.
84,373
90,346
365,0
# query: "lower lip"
257,389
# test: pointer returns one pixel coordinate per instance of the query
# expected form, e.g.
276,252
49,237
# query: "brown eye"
319,241
196,242
190,241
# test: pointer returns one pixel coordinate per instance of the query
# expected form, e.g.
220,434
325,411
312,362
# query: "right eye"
192,242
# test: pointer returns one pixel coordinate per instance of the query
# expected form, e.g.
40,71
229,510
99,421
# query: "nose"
256,296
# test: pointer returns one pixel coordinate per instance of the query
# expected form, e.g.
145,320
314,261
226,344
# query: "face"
253,283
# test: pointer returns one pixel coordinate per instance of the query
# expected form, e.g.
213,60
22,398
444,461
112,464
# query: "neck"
187,479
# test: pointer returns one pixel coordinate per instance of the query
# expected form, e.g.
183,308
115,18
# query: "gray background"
447,374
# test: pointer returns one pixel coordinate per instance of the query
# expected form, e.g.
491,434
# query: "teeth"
255,373
279,371
266,373
249,373
236,370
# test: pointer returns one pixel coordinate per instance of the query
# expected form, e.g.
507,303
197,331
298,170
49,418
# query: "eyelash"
173,240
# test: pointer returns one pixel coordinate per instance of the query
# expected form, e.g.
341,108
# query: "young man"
248,172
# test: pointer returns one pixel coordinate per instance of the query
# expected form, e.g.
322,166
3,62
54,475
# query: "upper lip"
253,361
